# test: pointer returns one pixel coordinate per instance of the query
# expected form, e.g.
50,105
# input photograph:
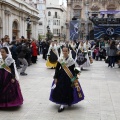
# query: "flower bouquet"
4,66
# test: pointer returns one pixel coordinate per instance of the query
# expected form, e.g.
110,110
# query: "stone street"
101,86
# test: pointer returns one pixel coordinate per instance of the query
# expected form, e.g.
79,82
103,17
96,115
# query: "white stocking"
61,106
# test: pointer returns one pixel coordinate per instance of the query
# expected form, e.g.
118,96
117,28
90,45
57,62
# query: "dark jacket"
23,51
112,52
14,52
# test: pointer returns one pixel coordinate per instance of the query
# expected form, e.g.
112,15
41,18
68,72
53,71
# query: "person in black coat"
21,57
14,52
45,49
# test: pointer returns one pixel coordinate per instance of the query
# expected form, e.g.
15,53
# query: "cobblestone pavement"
101,86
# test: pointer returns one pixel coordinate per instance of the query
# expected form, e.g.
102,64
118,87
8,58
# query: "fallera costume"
59,49
10,93
68,90
73,50
81,56
85,50
52,57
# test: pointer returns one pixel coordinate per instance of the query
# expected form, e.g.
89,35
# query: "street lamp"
59,36
87,5
64,36
48,33
28,27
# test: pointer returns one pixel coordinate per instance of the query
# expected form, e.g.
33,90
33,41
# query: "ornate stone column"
68,19
7,23
1,27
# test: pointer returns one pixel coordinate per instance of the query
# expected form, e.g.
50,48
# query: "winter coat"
34,49
23,51
14,52
112,52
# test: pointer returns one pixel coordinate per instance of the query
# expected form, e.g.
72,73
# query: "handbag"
107,60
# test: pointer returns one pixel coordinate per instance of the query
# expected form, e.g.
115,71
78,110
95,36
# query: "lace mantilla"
68,62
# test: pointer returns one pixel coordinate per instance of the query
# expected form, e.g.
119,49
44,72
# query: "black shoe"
61,109
52,67
69,105
29,64
81,68
23,74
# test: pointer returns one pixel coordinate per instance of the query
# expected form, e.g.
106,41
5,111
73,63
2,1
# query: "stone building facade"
41,6
80,9
56,18
13,16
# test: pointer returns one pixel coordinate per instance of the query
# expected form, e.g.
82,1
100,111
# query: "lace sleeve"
8,61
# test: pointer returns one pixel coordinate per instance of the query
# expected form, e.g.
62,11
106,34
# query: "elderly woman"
34,51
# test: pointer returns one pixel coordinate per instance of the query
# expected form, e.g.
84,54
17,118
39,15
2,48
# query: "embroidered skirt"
10,93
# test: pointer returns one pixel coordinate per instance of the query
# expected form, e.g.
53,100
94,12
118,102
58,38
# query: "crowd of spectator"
23,51
108,50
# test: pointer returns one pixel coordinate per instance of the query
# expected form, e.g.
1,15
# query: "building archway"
15,30
1,28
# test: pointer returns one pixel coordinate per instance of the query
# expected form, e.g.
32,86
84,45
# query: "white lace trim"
69,62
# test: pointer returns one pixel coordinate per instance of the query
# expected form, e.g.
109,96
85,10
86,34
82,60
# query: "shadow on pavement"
10,109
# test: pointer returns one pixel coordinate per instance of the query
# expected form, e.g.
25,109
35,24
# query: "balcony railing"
58,17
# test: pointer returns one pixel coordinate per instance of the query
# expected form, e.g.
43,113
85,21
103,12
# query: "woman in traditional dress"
52,56
58,48
10,93
66,89
86,48
34,51
81,55
73,50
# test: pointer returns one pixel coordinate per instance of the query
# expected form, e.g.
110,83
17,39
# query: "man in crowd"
44,49
22,52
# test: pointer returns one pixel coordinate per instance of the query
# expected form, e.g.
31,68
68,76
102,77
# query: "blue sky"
60,2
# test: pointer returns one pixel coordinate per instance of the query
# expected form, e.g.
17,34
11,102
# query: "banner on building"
74,30
110,12
109,30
